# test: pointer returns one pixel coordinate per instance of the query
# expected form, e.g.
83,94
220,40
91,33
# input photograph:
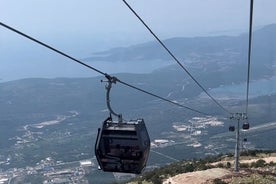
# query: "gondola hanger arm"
110,80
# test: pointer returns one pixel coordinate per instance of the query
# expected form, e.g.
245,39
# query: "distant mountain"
201,49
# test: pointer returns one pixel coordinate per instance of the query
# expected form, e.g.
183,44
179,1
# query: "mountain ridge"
185,47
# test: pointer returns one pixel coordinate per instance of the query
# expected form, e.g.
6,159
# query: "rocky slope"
255,167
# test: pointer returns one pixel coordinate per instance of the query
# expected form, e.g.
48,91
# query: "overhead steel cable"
249,54
51,48
96,70
164,99
164,155
173,56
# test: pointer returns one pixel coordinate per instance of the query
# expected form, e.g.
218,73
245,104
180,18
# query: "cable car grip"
108,86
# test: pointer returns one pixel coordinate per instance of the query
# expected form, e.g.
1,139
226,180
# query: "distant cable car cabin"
245,126
122,146
231,128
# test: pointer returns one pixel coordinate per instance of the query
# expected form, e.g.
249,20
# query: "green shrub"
156,180
228,165
219,181
244,165
220,165
272,163
259,163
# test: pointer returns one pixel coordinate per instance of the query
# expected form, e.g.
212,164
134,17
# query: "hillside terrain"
255,167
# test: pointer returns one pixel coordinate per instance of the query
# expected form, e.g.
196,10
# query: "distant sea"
238,91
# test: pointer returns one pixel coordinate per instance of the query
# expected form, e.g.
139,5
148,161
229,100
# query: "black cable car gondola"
245,126
231,128
122,146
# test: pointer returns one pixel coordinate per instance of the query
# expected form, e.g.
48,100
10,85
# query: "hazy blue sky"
83,27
